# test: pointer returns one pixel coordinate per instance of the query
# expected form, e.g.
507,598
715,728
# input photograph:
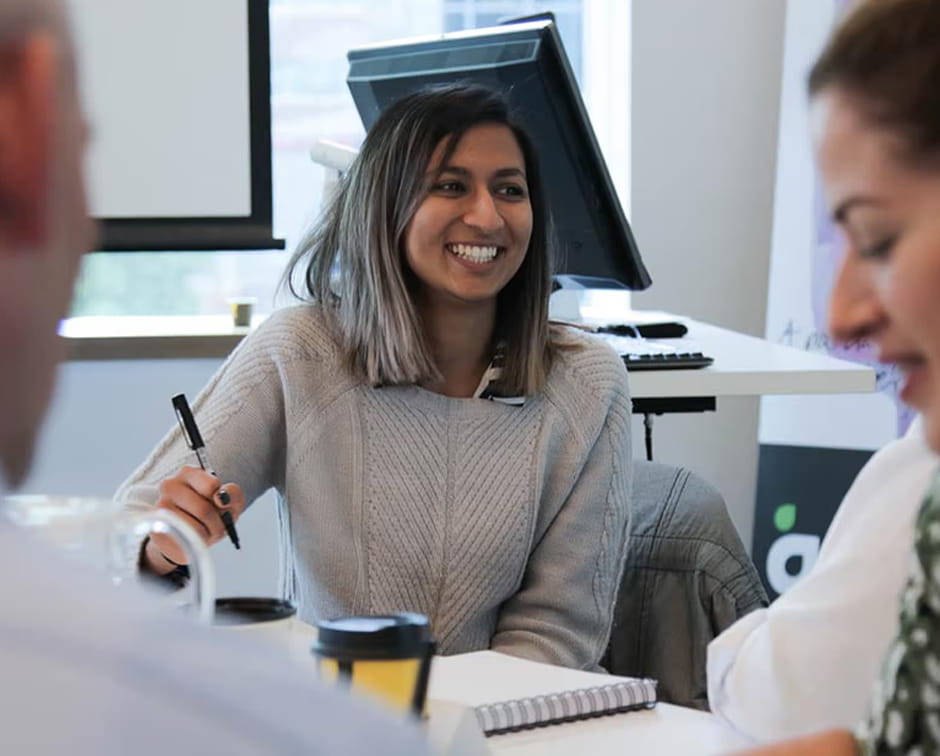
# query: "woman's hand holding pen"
198,498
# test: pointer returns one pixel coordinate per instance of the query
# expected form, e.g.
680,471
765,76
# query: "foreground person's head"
875,93
44,227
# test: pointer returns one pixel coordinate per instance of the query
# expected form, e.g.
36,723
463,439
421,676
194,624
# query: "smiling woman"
878,143
437,446
887,286
447,166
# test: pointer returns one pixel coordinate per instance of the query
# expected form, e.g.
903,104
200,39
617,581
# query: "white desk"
748,366
665,730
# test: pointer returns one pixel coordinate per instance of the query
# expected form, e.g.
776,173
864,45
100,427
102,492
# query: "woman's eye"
512,190
450,187
878,250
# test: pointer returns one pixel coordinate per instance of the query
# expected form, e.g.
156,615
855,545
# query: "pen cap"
187,422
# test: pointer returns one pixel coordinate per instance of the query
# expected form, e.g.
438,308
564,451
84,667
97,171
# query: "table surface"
744,365
747,366
663,730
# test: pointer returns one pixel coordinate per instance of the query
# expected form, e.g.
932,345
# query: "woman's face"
887,289
470,234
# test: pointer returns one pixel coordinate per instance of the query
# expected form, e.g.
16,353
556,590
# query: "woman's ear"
29,82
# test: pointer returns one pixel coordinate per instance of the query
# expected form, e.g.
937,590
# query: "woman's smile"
475,254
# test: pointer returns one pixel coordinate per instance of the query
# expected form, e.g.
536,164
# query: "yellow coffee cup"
383,656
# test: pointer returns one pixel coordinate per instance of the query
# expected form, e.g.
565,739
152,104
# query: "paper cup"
242,308
387,657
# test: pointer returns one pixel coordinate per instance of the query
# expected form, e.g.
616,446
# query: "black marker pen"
191,433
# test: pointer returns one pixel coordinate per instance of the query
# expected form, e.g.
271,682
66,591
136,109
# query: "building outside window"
310,101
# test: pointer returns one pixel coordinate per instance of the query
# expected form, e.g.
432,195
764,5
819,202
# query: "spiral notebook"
509,694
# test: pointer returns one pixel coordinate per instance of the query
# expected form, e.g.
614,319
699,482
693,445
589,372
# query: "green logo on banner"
785,517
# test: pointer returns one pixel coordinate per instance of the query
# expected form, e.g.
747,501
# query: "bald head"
44,226
21,17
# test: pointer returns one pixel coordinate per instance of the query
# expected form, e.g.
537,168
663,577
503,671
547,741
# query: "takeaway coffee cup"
385,656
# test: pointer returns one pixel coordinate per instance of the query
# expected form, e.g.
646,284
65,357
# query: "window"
310,101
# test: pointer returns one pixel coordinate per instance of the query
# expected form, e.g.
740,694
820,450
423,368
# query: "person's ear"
28,91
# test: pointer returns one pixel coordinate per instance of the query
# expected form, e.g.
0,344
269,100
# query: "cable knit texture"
506,525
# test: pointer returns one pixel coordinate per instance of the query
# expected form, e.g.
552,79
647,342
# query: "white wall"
706,89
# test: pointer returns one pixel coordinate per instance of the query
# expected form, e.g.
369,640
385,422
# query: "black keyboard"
667,361
640,354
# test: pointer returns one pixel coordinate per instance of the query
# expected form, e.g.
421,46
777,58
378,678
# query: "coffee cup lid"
384,636
244,610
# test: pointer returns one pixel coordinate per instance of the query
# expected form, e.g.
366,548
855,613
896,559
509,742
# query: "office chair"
687,577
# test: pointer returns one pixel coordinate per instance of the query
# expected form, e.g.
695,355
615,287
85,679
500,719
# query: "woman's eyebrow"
501,173
452,169
841,213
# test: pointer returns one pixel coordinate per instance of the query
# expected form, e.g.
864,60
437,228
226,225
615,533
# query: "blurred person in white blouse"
83,673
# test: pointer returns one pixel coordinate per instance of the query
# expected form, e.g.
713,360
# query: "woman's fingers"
178,496
231,497
200,481
228,496
197,498
189,495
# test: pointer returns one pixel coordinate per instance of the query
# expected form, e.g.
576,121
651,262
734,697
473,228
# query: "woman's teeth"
473,252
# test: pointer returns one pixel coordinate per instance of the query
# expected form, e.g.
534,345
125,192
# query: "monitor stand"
585,299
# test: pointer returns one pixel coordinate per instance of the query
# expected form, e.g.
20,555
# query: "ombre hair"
353,259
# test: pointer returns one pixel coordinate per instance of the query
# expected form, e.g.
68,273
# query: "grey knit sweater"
506,525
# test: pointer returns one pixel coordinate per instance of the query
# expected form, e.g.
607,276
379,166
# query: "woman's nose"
483,212
855,309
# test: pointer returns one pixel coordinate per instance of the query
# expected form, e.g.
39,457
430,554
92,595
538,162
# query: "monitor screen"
527,62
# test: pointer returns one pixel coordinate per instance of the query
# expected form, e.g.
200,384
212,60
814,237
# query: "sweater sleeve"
563,611
763,671
240,414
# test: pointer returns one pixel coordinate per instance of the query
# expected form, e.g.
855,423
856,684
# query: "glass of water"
106,538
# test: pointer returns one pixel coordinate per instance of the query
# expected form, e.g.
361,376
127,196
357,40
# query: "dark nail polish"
223,496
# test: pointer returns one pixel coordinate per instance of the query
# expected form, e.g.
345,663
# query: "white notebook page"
484,677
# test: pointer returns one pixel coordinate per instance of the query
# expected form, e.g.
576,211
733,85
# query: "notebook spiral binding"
569,706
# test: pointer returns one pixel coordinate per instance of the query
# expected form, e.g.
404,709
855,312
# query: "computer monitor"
527,62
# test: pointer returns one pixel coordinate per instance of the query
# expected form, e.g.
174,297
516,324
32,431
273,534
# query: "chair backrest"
687,577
